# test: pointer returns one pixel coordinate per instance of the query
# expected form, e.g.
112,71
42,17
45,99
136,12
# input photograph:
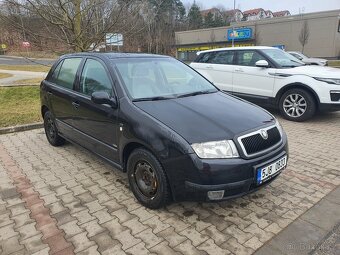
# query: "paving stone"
236,248
83,216
216,235
149,238
104,242
195,237
27,230
135,226
7,232
103,216
210,247
138,249
34,243
122,215
73,183
92,228
187,248
127,240
71,229
10,245
172,237
81,242
90,251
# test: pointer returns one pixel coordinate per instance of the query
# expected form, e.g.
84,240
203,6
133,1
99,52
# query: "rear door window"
67,73
223,58
204,58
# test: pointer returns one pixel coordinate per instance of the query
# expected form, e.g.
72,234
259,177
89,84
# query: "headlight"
217,149
330,81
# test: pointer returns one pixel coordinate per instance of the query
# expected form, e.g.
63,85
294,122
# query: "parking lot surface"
65,200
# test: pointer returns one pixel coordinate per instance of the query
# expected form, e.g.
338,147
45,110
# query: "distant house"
254,14
214,11
281,14
233,15
269,14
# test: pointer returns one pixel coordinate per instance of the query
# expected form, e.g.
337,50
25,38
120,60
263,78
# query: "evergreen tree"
218,21
194,17
209,20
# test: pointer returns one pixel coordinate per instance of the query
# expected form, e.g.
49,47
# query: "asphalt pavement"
12,60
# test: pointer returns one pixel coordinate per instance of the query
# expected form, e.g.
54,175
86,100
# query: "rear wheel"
147,179
51,130
297,105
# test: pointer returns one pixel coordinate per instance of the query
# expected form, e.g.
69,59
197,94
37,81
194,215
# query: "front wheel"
147,179
297,105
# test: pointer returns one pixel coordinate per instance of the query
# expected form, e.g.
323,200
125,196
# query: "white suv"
272,78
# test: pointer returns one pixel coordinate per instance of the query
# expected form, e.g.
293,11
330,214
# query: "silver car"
308,60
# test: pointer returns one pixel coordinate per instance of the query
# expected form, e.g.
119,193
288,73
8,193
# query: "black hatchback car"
176,135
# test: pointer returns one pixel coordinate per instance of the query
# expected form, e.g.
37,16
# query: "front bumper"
329,107
191,177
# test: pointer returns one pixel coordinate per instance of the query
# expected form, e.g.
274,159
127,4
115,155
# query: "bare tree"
76,23
304,35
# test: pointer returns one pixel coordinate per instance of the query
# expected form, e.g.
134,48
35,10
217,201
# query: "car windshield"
283,59
160,78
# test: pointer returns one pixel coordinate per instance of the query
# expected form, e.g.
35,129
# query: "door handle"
239,70
49,93
75,104
210,67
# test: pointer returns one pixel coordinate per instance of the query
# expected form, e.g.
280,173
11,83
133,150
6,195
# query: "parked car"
308,60
175,134
272,78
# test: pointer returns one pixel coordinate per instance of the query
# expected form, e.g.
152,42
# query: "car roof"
113,55
238,48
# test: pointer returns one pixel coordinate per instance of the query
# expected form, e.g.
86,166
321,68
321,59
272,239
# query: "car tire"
147,179
51,130
297,105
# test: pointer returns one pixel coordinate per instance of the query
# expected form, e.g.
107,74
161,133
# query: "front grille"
255,143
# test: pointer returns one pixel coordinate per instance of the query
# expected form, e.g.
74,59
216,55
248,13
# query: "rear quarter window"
65,73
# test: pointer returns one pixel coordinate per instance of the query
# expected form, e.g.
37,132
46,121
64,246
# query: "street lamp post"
232,38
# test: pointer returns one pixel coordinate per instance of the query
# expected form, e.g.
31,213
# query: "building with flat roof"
323,30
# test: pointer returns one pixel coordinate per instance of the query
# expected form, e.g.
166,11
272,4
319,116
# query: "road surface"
11,60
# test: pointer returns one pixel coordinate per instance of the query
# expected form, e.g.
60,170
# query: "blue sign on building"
240,34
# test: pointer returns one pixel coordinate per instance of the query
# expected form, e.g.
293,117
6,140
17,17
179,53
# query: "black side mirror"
102,97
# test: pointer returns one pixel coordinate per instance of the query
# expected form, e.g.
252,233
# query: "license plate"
267,172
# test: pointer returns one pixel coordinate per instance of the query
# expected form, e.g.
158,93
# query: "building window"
339,27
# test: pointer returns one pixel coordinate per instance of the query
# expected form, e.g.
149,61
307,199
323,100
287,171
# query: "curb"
21,128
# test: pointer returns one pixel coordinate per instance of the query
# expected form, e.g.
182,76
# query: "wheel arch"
297,85
44,109
130,147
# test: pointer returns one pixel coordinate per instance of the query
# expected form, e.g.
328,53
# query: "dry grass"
31,68
5,75
34,54
19,105
33,81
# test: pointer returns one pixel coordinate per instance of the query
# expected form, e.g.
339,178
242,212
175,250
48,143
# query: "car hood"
309,60
313,71
208,117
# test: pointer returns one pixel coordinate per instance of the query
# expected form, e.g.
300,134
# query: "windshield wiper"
152,98
303,64
196,93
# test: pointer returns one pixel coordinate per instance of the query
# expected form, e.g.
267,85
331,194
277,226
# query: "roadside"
20,77
14,60
317,231
19,105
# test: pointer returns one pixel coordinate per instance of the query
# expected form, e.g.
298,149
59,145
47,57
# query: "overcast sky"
274,5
